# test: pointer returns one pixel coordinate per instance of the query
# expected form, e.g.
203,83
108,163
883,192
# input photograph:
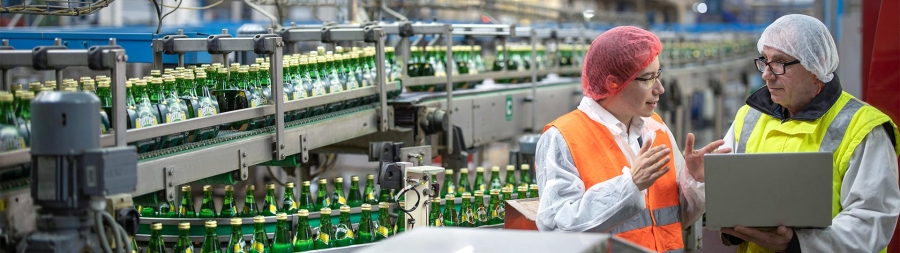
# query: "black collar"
761,100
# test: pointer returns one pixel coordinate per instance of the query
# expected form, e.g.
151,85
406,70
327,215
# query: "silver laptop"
768,189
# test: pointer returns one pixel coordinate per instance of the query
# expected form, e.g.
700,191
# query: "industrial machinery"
72,174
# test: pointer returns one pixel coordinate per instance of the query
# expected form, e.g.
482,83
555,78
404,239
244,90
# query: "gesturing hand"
693,159
648,163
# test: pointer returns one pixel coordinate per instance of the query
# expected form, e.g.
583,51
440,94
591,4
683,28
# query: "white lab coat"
566,206
870,196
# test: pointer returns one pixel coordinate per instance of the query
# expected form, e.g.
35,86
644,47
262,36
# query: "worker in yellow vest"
803,108
612,165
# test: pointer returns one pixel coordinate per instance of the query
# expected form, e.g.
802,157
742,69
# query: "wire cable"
195,8
158,8
104,242
159,26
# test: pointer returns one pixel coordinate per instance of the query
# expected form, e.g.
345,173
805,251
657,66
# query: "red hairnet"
615,58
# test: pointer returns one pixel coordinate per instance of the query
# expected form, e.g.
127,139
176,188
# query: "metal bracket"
326,35
259,44
169,179
405,30
39,56
304,149
213,45
419,155
95,57
373,34
243,165
168,43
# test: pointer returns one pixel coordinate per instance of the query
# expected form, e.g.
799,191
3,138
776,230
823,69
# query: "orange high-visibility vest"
598,158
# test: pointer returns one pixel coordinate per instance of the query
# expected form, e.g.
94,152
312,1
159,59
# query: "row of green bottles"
473,212
15,119
463,185
270,206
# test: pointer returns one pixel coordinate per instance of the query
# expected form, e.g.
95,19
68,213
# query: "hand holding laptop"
776,240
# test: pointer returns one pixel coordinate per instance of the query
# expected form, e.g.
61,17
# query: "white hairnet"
805,38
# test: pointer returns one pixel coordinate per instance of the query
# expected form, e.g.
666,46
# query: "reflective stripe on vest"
598,158
849,121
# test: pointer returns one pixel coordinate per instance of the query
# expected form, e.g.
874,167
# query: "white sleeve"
870,197
564,203
729,139
693,193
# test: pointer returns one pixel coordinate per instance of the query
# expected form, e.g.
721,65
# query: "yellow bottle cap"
370,176
510,167
251,187
210,224
306,183
184,226
303,212
448,172
289,184
354,178
281,216
464,171
156,226
345,209
186,188
338,180
507,189
325,210
522,188
270,186
229,188
237,221
384,205
533,186
525,167
259,219
207,188
495,191
479,193
466,195
479,169
365,207
450,197
495,168
323,181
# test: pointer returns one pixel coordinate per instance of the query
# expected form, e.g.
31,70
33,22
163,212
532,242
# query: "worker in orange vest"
609,165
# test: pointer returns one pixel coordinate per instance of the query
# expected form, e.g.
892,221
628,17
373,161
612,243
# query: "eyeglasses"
776,67
651,79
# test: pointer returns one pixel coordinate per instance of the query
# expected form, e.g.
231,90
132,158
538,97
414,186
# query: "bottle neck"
322,188
306,190
259,228
236,231
211,232
229,196
183,234
289,192
250,197
325,220
354,185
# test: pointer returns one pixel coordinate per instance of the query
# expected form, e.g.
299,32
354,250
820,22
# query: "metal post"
505,53
4,73
379,74
59,74
225,56
403,48
180,55
118,89
275,65
448,33
534,70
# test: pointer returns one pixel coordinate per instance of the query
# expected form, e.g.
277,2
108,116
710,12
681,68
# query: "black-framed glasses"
652,79
776,67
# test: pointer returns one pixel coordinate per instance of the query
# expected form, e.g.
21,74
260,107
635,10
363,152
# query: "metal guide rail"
57,58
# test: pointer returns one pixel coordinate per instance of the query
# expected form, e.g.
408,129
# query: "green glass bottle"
303,85
533,191
322,199
466,216
211,241
479,180
156,244
385,195
265,81
316,67
208,208
337,196
23,109
134,247
303,239
343,231
449,214
525,174
7,111
183,245
366,231
482,216
147,211
510,177
348,73
282,241
400,226
463,185
334,81
505,194
270,207
496,210
250,209
156,90
229,209
325,237
146,115
495,180
167,210
187,209
259,243
236,242
354,199
369,192
434,214
172,109
359,69
288,204
255,85
205,105
449,187
306,198
522,192
384,228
